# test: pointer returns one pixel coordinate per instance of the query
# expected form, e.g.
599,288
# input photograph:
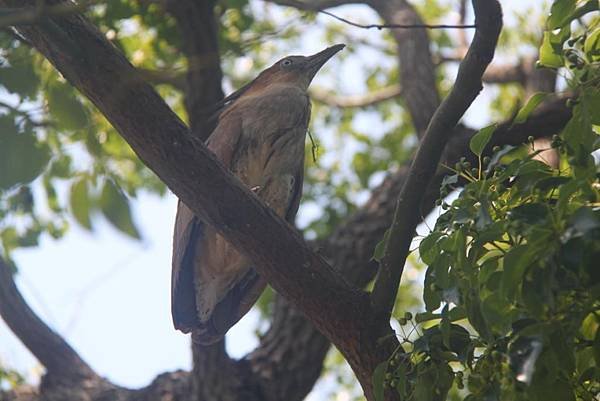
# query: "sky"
109,296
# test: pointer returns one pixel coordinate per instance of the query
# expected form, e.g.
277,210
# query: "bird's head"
291,70
297,70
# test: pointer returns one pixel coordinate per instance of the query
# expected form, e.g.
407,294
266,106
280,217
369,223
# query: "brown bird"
260,137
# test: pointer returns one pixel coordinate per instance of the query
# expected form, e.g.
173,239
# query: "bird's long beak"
316,61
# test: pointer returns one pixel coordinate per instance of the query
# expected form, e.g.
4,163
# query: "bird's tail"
230,309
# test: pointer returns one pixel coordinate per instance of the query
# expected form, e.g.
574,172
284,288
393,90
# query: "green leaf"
380,247
533,102
495,310
66,110
591,45
559,12
549,56
115,207
19,77
22,157
80,203
591,102
584,220
481,139
516,262
431,297
378,378
530,213
429,248
588,7
496,157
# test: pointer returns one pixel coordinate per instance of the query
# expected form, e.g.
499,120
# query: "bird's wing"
186,237
282,193
188,233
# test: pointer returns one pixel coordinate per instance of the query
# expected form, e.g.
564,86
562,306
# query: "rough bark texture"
289,358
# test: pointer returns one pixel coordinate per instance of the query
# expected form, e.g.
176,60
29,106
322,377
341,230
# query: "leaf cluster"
512,286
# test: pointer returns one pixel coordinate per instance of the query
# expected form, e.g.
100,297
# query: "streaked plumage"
260,137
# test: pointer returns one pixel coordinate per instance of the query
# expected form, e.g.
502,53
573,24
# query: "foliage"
512,287
9,378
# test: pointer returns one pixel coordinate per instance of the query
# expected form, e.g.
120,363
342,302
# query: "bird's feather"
265,149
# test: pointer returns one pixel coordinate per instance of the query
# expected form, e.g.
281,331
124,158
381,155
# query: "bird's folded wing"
187,236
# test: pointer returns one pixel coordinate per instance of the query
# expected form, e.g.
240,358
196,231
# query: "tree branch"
59,359
350,248
84,56
396,26
488,16
366,100
417,71
315,5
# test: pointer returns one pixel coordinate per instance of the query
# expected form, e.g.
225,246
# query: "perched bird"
260,137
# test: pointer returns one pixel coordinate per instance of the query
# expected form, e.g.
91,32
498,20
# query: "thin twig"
397,26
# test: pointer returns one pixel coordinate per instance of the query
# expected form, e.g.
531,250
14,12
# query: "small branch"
396,26
59,359
488,16
366,100
314,5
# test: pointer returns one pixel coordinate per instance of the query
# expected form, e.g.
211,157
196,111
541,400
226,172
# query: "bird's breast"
274,127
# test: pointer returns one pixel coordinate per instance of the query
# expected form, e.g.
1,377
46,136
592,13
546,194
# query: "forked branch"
59,359
95,67
488,18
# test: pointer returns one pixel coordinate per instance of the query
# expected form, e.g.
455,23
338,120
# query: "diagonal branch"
488,16
92,64
59,359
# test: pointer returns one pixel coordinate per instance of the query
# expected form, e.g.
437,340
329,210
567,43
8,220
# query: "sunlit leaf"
549,56
533,102
559,12
481,138
80,203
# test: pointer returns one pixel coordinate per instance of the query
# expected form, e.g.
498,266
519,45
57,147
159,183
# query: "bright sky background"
109,296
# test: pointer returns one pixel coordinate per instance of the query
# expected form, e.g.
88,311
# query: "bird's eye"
286,63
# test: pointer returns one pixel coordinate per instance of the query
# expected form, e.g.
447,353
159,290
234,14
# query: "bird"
259,137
